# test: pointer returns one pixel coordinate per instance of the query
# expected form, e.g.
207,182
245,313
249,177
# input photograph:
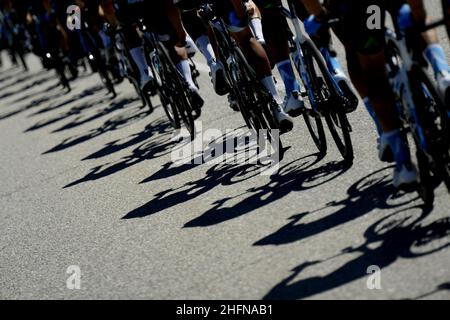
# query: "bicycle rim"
312,119
182,100
258,104
331,102
435,123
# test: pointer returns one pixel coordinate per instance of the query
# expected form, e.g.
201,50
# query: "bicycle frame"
299,56
401,86
223,39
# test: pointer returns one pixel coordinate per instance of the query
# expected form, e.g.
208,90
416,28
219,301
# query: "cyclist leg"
127,12
275,26
412,13
199,33
165,19
365,51
236,17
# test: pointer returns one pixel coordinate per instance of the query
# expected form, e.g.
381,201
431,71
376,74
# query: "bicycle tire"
433,115
60,71
106,79
335,117
155,63
181,99
259,110
312,119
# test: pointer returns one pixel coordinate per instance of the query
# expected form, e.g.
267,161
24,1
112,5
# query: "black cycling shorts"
152,11
353,29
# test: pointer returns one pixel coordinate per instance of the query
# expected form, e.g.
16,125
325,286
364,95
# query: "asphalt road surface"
89,182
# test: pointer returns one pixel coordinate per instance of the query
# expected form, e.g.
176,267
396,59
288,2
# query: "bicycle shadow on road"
442,287
403,234
218,174
158,126
7,74
195,158
228,174
127,117
75,111
369,193
48,93
157,146
24,81
75,98
296,176
172,197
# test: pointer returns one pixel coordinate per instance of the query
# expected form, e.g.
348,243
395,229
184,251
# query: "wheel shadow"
403,234
442,287
77,111
296,176
156,145
127,117
75,98
288,180
372,192
159,126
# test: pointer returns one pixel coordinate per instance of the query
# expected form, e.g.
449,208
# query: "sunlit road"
87,181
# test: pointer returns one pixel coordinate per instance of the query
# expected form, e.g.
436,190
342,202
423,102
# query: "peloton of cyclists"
260,30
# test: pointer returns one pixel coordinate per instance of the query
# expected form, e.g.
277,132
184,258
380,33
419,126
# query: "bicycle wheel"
257,104
434,130
106,77
60,71
156,62
316,130
180,98
312,119
330,103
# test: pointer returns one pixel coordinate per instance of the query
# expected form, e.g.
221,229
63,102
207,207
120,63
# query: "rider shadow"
189,162
49,95
169,198
156,147
129,116
293,177
442,287
20,90
73,111
48,92
158,126
36,78
8,74
228,174
84,94
402,234
370,193
221,173
80,120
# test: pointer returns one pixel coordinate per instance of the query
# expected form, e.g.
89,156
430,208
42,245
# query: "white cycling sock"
269,83
205,47
288,76
138,56
185,69
256,26
190,44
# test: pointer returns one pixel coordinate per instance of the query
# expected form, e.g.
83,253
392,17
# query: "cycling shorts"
225,10
358,28
129,12
353,29
267,4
